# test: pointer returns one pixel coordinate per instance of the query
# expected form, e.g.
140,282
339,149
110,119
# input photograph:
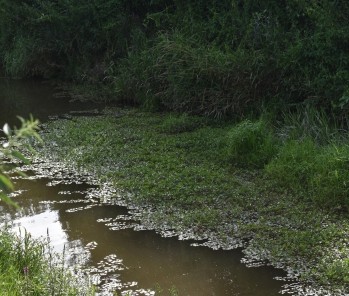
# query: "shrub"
252,144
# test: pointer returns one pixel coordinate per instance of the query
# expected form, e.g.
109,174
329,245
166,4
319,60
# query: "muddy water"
101,235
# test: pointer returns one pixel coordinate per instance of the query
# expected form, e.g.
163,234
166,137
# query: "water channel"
67,206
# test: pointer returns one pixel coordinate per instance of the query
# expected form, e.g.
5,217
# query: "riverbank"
187,174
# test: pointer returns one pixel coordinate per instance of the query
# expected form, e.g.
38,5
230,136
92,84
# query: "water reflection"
24,97
39,225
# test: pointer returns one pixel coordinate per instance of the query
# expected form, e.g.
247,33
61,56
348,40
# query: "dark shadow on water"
37,97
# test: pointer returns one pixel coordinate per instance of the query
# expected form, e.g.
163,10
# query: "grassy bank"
278,190
29,267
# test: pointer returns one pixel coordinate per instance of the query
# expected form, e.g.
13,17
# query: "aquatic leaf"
20,156
5,184
7,130
8,200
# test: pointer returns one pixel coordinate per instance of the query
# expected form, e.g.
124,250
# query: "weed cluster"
253,144
313,157
29,267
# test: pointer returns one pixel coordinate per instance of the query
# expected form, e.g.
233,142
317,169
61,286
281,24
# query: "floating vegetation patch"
91,246
121,225
183,184
16,193
79,209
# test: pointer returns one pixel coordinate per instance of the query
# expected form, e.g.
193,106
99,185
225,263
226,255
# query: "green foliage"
216,58
182,123
72,39
173,291
29,267
313,158
308,122
15,141
181,74
321,172
252,144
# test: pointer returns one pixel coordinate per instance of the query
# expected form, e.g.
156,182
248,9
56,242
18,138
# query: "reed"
30,267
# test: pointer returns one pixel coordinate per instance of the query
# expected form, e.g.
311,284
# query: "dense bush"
216,58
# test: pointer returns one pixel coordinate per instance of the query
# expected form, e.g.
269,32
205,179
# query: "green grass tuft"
29,267
252,144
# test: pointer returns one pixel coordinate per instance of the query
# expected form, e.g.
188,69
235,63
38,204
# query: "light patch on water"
298,289
40,225
91,246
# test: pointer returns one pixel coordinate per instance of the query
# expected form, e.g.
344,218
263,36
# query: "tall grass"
313,158
29,267
307,122
303,150
182,74
252,144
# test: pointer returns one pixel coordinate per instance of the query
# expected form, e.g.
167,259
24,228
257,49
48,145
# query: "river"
100,236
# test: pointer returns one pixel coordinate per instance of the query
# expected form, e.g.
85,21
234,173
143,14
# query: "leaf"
20,156
21,173
30,148
8,200
5,184
7,130
21,119
36,135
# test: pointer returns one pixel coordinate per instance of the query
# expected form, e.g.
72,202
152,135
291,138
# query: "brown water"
75,221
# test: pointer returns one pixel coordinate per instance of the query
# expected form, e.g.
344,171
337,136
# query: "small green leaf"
21,173
7,130
21,119
36,135
8,200
20,156
5,184
30,148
